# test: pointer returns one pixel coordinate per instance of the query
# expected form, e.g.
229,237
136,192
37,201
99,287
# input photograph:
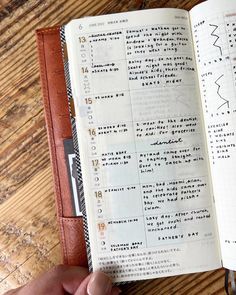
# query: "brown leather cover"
59,128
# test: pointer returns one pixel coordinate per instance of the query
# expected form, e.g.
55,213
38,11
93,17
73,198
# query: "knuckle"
59,269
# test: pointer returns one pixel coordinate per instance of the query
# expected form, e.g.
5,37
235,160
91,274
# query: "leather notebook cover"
58,130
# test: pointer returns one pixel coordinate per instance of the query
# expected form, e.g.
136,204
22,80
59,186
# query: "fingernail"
115,291
99,284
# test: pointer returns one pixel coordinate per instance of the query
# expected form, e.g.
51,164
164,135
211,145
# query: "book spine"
75,142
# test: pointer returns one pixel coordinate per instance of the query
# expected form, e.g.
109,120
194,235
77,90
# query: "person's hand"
67,280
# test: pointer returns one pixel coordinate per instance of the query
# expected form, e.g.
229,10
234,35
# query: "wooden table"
29,241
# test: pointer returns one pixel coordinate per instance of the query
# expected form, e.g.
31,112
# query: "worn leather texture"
59,128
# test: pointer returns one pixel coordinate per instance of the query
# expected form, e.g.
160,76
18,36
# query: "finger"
13,291
115,291
96,283
99,284
59,280
72,278
82,289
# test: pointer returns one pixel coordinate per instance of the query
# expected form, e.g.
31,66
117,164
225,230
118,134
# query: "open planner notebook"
154,96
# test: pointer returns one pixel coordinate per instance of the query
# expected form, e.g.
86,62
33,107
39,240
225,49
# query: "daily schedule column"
107,110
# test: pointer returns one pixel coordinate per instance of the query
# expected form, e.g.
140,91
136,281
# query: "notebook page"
134,83
214,33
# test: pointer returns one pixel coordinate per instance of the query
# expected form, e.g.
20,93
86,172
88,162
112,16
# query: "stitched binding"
50,134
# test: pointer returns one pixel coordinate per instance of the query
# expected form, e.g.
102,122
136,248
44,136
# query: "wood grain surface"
29,241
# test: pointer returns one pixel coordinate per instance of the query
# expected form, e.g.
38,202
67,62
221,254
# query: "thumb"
58,280
97,283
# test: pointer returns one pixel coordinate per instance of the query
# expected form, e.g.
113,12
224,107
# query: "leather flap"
59,128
